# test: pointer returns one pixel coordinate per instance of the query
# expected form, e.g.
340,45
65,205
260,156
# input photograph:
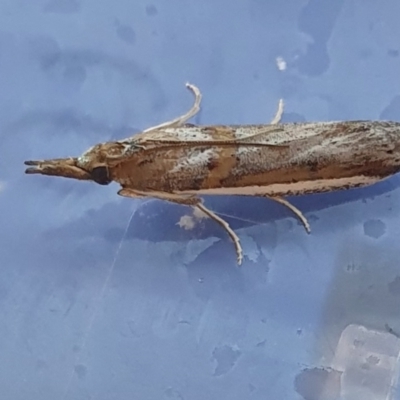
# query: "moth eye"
100,175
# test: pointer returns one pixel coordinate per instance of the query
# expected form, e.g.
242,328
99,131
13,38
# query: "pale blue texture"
95,307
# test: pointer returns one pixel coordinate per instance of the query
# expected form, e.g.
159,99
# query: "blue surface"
107,298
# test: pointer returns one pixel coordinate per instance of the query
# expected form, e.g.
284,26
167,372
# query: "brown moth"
179,162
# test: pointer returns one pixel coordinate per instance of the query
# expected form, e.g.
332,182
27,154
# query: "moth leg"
294,209
279,113
130,193
185,117
225,225
188,200
193,201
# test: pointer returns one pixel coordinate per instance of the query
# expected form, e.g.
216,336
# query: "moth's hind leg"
185,117
294,209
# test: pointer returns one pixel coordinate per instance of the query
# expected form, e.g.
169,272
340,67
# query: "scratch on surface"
97,300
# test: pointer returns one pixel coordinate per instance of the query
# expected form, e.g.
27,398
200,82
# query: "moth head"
93,165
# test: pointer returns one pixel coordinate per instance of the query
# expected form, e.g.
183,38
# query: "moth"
180,162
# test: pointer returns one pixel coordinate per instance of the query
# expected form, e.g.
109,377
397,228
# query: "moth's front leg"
131,193
192,201
188,200
185,117
279,113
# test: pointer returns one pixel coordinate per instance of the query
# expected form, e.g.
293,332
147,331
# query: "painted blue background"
100,303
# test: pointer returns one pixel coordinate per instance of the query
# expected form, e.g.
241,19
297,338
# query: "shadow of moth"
179,162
